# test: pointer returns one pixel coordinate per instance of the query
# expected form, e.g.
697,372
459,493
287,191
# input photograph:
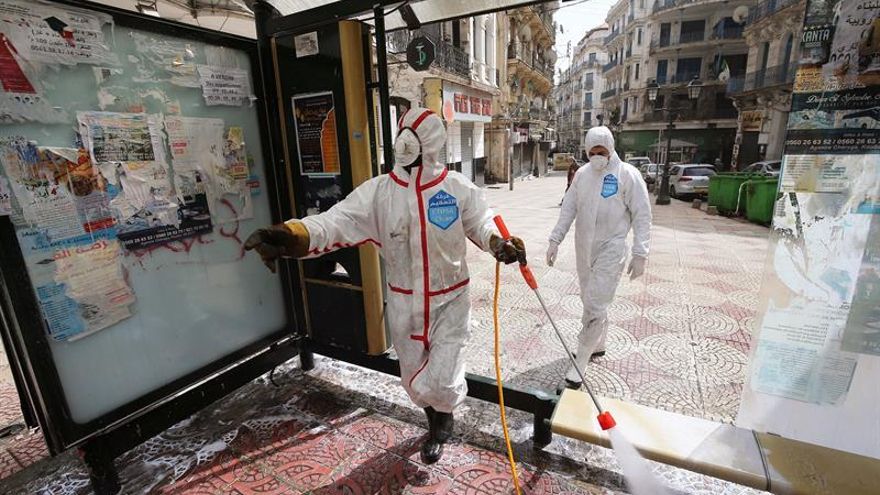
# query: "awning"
426,11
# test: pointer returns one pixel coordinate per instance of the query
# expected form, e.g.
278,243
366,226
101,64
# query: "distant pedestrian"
572,169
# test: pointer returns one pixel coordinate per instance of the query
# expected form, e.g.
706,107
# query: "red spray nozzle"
606,421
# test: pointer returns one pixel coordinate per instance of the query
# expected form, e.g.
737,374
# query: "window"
588,118
688,68
662,69
639,36
591,58
788,46
642,4
588,100
698,171
637,72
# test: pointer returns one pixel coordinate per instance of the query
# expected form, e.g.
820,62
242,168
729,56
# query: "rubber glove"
552,251
508,251
636,267
286,240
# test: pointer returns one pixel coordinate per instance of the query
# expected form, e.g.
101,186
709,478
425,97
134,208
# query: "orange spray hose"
498,378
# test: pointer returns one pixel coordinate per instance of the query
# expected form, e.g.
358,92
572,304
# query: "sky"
576,18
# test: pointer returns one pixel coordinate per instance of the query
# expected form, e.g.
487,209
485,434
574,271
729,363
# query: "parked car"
690,179
651,172
769,168
638,161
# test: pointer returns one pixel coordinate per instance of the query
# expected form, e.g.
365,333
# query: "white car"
691,179
770,168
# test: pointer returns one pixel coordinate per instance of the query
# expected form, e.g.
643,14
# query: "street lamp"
693,91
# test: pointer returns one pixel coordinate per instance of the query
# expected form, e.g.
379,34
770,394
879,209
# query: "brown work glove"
509,251
279,241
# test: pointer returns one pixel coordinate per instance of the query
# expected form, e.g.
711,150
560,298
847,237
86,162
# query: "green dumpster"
760,198
725,189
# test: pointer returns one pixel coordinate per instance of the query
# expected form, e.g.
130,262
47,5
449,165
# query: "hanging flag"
724,74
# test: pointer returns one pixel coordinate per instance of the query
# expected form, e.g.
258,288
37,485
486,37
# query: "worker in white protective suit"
607,197
420,216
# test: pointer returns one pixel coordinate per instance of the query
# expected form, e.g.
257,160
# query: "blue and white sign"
609,186
442,210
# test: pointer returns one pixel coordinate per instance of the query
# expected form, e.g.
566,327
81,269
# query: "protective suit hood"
601,136
431,134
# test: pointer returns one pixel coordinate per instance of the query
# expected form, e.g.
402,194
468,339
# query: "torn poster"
162,60
196,143
234,153
58,189
225,85
130,149
5,197
79,282
862,332
55,34
21,99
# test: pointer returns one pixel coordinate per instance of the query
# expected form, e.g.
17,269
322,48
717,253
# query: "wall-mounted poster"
314,117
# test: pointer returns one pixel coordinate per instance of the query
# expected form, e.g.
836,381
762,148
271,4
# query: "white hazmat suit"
421,224
604,202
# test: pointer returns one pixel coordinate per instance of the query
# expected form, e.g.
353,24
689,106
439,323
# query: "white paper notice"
306,44
92,276
56,35
225,86
196,143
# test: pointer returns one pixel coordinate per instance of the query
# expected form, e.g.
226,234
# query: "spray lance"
606,421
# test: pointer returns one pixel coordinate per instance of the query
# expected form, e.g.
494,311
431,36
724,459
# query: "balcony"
691,37
768,8
679,78
610,65
541,67
611,37
728,33
609,93
701,112
662,5
771,76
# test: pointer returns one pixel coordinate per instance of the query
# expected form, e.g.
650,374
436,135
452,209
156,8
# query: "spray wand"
606,421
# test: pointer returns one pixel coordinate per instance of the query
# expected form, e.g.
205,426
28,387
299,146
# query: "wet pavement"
679,340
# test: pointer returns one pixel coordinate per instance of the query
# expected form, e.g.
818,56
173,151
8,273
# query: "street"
678,341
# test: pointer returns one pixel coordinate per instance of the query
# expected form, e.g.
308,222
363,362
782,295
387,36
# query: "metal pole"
663,195
384,98
510,161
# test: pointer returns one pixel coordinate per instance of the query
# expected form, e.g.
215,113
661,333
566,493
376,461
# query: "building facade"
673,42
578,92
763,95
520,137
462,85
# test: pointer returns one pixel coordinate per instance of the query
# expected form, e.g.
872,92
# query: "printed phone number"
831,142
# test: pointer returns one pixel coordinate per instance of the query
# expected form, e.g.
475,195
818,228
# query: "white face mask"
599,161
407,148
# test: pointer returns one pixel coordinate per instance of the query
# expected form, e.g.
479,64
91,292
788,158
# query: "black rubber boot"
440,431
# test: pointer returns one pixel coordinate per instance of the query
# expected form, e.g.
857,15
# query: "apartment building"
672,42
578,92
763,95
520,136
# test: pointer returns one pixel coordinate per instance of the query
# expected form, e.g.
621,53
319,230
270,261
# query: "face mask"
407,148
599,161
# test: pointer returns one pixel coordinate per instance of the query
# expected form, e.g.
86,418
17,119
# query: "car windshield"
774,166
698,171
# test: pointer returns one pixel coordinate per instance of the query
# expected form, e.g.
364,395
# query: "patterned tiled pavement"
678,341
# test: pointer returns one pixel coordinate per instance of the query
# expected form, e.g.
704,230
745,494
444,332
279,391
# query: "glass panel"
137,260
698,171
